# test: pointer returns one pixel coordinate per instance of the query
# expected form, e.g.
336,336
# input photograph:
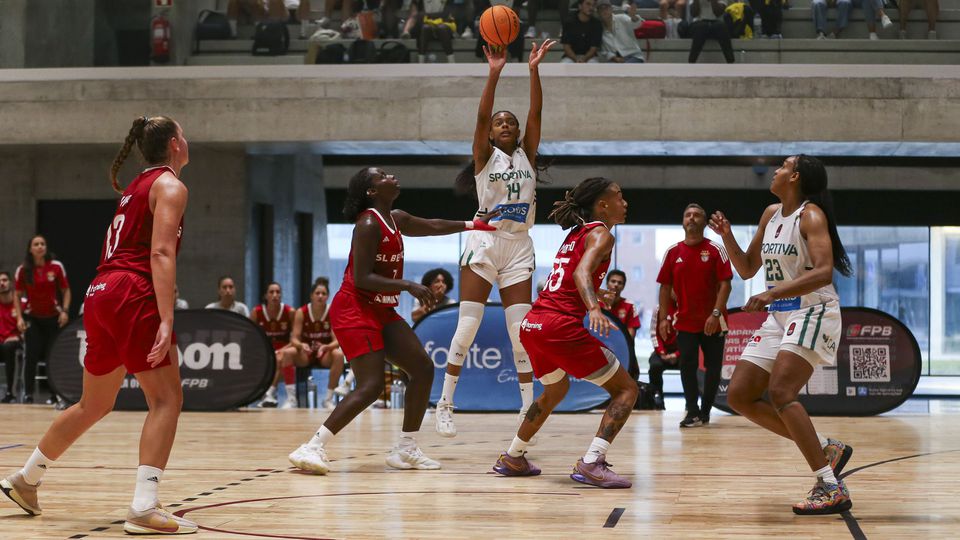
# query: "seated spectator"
314,340
515,48
9,334
254,11
771,18
349,25
179,303
390,18
619,43
932,8
872,10
440,282
738,17
582,36
623,310
706,22
227,291
433,22
665,356
276,320
672,12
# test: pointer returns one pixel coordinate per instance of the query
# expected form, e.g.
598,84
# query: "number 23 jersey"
785,258
510,184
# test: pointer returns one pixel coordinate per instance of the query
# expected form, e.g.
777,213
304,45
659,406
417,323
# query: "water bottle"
311,393
398,391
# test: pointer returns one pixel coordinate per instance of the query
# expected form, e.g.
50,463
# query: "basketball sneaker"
523,414
342,389
269,400
838,454
22,493
515,466
410,458
825,499
444,417
691,420
157,521
328,405
290,402
310,458
598,474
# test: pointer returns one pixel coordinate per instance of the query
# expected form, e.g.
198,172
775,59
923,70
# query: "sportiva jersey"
278,330
560,292
510,184
127,246
389,263
316,331
785,258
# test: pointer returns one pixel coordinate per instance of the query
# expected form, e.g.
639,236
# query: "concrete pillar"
13,24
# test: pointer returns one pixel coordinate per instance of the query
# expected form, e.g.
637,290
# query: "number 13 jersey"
510,184
785,258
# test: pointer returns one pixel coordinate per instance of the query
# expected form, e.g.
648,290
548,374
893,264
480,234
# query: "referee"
698,272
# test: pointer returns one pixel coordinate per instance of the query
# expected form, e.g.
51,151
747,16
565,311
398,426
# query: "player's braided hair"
357,199
813,186
577,204
151,136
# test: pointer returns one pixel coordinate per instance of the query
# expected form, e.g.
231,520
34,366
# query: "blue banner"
488,381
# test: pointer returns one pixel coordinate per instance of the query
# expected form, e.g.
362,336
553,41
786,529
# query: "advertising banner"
878,364
488,381
226,361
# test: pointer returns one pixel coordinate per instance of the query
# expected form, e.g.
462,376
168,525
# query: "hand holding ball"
499,26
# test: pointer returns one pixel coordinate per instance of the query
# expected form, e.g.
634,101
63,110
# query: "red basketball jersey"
127,246
278,330
316,331
389,264
560,292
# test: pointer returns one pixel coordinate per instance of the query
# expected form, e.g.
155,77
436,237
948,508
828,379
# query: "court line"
613,518
10,446
853,526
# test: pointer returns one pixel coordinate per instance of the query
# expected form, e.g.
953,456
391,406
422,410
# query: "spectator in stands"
42,280
665,354
771,18
349,25
932,8
582,35
440,282
254,11
9,334
434,22
626,312
697,272
706,22
227,292
179,303
619,43
672,12
872,10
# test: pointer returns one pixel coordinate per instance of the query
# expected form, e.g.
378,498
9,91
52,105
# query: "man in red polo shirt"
698,272
9,335
623,310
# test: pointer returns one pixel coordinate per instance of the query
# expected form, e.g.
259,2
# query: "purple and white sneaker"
515,466
598,474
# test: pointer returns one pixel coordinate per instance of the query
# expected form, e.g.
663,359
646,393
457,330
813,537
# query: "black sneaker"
658,403
28,400
704,418
8,398
691,420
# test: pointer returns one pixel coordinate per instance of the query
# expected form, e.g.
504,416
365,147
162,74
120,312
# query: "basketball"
499,26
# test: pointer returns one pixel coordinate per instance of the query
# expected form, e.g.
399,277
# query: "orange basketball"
499,26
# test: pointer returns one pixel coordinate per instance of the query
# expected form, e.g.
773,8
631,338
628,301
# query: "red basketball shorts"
558,343
358,325
121,319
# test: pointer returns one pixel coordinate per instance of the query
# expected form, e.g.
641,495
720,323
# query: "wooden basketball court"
230,473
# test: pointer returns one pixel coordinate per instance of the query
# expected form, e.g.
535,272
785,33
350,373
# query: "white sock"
826,474
407,440
35,467
598,449
517,447
291,391
526,395
321,437
329,394
823,441
449,387
148,482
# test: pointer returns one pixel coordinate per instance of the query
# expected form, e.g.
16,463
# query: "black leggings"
39,338
700,31
8,355
690,345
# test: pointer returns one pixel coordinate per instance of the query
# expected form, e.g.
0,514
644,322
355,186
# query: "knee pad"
471,313
514,316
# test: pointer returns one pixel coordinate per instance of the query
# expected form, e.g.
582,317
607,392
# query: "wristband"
478,225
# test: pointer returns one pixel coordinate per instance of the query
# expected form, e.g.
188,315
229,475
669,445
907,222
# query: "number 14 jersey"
560,291
510,184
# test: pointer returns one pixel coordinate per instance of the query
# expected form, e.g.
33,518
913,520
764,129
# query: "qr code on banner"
869,363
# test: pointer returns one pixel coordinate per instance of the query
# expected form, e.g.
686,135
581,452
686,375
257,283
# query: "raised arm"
597,248
813,228
411,225
169,198
497,58
531,134
746,263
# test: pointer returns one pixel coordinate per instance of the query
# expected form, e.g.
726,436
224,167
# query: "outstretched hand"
496,56
537,53
719,223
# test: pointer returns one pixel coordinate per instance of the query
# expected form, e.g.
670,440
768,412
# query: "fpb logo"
867,330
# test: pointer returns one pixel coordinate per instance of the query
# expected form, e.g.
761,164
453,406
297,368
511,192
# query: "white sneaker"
467,33
821,35
310,458
328,405
531,33
289,403
342,390
874,36
350,28
885,21
523,414
157,521
269,400
410,458
444,418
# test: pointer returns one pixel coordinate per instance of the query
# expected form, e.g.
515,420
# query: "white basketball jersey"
785,258
510,184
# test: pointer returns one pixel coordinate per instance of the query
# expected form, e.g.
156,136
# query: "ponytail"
151,136
813,186
134,136
576,207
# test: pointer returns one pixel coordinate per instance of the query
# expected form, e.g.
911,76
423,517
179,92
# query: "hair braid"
133,137
576,207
